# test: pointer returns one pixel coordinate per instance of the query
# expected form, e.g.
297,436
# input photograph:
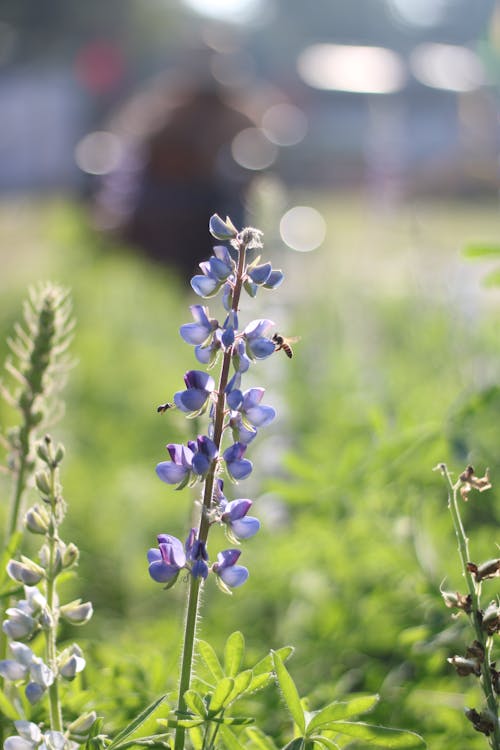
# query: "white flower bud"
77,612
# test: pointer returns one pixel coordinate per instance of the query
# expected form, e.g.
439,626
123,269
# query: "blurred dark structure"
415,111
185,173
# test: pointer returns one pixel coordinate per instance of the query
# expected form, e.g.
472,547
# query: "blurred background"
362,137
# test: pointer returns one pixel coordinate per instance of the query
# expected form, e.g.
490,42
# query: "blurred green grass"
397,368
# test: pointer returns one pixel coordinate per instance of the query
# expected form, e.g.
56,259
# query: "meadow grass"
397,368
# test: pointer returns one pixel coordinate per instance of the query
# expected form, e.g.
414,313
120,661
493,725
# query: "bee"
280,342
162,408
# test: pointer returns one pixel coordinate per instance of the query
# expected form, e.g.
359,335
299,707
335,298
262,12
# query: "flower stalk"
480,651
230,410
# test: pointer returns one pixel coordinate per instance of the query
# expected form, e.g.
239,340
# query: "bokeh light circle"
302,228
98,152
253,150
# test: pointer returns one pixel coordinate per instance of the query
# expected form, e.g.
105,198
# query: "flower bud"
465,666
37,520
12,670
82,725
42,482
26,572
70,555
42,452
77,612
19,625
41,673
59,454
491,618
34,692
28,731
70,666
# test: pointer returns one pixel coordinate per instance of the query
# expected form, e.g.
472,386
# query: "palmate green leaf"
289,692
296,744
174,722
490,250
135,724
379,736
325,742
211,660
234,652
195,703
342,710
221,694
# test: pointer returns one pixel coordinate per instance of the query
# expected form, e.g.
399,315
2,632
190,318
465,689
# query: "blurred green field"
397,369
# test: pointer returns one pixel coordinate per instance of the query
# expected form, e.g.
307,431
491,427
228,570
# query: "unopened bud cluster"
38,612
234,415
485,620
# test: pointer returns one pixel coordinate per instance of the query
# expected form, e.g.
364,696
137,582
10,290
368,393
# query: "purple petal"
219,268
194,333
234,576
201,464
199,379
258,327
180,454
259,416
261,273
274,279
171,473
203,354
261,347
252,397
191,400
227,558
246,527
234,399
236,509
240,469
205,286
221,230
154,555
162,572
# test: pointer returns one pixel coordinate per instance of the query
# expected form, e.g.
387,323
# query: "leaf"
241,684
341,710
211,660
220,696
7,708
196,737
325,741
173,722
380,736
289,692
266,664
482,251
230,740
260,681
259,739
295,744
135,723
195,703
233,653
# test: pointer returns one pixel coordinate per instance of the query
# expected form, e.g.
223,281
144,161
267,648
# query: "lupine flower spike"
234,417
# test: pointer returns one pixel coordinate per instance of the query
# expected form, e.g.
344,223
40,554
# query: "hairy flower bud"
37,520
70,555
26,571
81,726
42,481
77,612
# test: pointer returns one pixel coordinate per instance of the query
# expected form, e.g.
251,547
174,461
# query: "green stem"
56,723
204,527
474,591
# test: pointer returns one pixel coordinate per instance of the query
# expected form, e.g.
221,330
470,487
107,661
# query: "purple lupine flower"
206,354
215,271
240,360
238,467
258,345
234,515
252,411
178,470
196,551
274,279
242,433
201,330
222,230
229,327
206,452
166,561
199,386
231,574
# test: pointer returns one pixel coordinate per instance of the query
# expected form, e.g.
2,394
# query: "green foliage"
397,368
